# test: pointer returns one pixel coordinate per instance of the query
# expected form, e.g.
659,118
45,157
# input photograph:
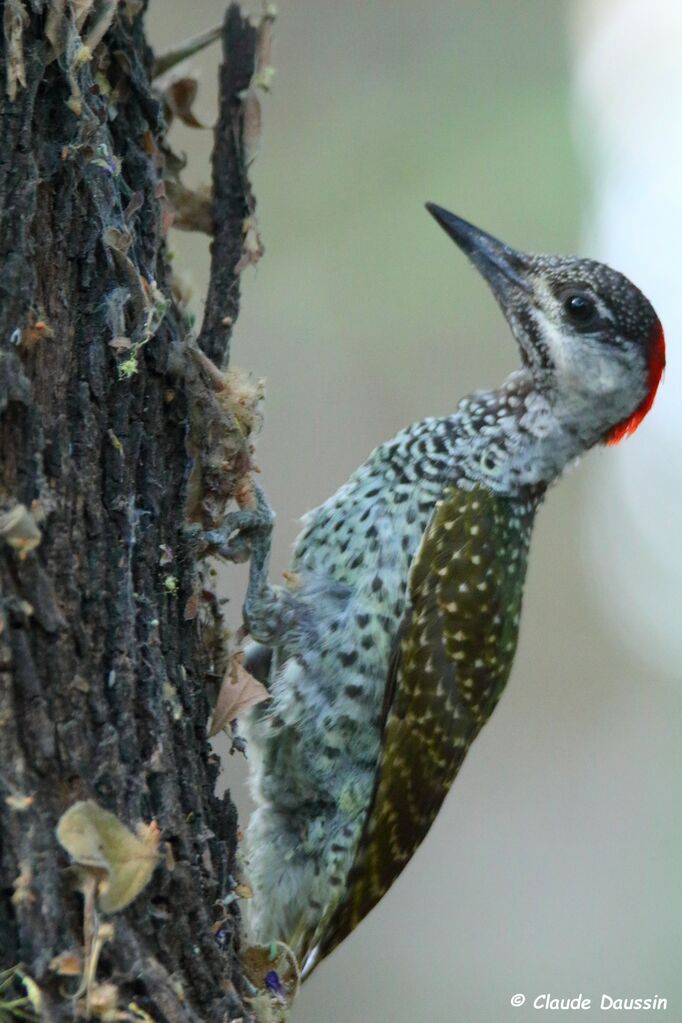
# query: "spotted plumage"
454,655
390,649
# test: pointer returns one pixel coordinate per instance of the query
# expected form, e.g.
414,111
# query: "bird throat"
509,439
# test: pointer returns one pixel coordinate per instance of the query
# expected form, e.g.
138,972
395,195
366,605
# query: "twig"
232,204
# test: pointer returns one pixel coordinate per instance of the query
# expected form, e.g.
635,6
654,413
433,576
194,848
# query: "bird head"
588,336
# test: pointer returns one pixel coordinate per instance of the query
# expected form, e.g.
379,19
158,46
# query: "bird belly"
314,748
313,751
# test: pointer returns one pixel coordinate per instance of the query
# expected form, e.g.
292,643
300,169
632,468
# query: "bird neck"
511,439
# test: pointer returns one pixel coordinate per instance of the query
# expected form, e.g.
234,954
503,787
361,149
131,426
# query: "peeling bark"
108,630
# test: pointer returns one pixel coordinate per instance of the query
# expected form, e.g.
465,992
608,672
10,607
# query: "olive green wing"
454,654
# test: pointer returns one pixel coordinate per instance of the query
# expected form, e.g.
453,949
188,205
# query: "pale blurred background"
555,864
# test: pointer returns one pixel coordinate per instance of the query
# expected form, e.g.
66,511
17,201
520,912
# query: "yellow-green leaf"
95,838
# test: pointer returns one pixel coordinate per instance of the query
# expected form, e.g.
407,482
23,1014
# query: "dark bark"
232,199
108,631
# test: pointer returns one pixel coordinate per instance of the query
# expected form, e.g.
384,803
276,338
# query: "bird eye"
580,308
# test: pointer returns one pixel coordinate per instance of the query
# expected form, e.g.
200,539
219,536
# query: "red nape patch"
656,367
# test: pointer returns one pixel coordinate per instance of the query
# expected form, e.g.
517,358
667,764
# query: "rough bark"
108,630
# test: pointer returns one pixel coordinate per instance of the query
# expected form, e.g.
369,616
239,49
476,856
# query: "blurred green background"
554,866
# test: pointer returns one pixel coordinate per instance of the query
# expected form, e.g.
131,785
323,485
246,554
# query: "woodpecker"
390,652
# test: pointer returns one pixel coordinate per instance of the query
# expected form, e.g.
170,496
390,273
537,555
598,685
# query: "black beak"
505,269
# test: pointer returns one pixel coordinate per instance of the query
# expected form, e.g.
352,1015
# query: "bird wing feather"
453,656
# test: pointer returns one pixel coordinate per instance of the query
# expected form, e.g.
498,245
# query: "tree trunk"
109,631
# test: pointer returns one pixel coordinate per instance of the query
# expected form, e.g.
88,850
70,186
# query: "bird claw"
231,543
245,533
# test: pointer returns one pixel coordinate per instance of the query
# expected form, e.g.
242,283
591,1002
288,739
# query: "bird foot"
245,533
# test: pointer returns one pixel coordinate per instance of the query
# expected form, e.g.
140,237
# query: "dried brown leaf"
67,964
179,97
238,692
191,608
192,208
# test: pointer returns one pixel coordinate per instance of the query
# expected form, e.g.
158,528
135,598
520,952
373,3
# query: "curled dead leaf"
192,208
239,691
191,608
95,838
67,964
179,97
